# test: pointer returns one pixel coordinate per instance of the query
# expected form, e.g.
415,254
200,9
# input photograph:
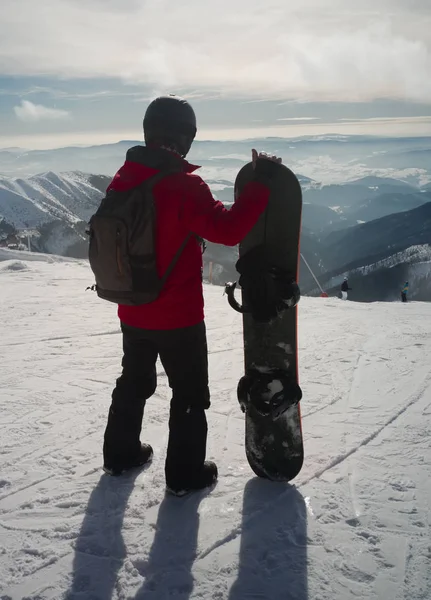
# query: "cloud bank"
338,50
30,113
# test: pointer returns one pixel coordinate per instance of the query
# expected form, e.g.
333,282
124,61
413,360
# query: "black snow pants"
184,356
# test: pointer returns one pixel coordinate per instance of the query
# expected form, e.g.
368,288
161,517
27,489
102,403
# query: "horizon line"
304,137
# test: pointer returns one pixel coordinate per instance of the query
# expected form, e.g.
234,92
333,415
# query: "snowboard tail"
269,392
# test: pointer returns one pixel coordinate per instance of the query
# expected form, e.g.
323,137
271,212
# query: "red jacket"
184,204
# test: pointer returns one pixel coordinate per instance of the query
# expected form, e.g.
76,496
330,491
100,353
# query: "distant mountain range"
378,256
381,280
54,206
70,197
327,159
373,228
333,207
378,238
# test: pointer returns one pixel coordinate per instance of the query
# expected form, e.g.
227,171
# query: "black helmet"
170,121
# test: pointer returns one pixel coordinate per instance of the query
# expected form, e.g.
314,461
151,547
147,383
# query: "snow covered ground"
354,524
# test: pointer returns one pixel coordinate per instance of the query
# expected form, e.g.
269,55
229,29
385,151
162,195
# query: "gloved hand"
265,166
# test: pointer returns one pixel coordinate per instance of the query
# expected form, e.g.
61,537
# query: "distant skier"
345,288
404,291
172,327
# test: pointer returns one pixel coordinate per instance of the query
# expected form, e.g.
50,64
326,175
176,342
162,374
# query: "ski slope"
354,524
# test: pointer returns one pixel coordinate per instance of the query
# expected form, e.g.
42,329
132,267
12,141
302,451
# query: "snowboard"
269,392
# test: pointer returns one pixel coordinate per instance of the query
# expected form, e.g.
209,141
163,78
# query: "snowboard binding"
271,394
269,289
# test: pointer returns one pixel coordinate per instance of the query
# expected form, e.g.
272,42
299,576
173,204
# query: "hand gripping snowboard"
269,392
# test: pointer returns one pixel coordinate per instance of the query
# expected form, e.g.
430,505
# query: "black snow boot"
185,468
142,458
205,477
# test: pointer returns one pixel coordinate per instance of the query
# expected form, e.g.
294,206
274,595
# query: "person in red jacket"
173,327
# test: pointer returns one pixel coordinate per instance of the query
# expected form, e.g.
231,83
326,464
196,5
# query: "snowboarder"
345,288
172,327
404,291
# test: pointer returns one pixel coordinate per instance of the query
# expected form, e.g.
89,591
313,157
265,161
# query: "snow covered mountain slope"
412,255
382,279
70,197
354,524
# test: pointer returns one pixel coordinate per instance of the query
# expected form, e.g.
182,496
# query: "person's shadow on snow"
100,550
273,550
168,568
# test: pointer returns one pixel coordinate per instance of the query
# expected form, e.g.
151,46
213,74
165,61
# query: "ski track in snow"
354,524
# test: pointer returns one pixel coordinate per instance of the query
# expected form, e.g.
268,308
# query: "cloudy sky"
83,71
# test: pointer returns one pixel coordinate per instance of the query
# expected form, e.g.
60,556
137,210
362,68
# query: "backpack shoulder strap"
148,186
175,259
